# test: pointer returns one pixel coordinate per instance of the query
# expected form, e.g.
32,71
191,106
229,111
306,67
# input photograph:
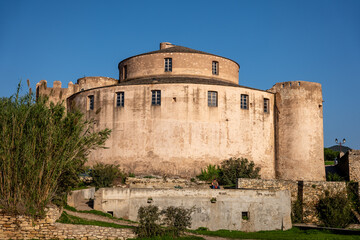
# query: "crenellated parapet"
58,94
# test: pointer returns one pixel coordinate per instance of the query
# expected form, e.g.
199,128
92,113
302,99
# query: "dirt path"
90,216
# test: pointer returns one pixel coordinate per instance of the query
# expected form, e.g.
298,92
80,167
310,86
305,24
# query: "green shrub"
334,177
210,173
177,219
334,211
42,150
235,168
330,155
104,175
297,212
148,222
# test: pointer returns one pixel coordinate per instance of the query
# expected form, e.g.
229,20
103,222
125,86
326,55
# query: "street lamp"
340,142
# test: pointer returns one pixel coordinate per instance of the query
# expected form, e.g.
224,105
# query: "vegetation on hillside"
330,155
229,171
104,175
42,151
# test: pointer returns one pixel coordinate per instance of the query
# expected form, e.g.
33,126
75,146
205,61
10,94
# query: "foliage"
297,212
177,219
69,219
210,173
148,222
169,237
104,175
334,177
334,211
294,233
330,155
42,150
235,168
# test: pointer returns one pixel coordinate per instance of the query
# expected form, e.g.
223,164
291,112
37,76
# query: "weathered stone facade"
214,209
202,117
308,192
349,165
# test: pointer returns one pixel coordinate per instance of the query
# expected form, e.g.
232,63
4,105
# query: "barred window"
91,102
266,105
168,64
156,97
120,99
212,99
215,68
244,101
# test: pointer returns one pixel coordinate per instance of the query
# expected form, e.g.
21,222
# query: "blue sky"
273,41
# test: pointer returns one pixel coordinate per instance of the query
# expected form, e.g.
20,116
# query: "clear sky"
273,41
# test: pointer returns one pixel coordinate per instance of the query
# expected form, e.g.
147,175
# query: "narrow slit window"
215,68
91,102
266,105
120,96
212,99
125,72
156,97
168,64
244,101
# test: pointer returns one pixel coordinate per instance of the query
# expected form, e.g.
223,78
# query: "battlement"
58,94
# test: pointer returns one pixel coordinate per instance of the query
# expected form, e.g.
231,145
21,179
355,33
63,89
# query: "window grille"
212,99
168,64
244,101
91,102
266,105
120,99
215,68
156,97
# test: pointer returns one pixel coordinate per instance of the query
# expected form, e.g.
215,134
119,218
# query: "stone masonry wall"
309,192
349,165
24,227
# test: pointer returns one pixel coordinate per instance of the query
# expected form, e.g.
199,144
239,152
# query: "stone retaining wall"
24,227
308,192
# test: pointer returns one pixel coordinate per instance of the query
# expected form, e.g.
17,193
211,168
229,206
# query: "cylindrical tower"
299,139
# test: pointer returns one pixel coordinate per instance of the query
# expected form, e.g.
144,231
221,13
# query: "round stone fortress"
176,110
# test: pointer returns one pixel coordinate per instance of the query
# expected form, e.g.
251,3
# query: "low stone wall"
349,165
24,227
77,197
308,192
213,208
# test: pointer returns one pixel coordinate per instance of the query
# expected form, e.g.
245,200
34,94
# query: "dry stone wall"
308,192
24,227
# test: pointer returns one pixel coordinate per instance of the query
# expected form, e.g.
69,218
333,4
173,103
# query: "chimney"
164,45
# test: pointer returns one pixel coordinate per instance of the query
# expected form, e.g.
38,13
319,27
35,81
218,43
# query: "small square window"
245,215
266,105
244,101
212,99
215,68
168,64
91,102
120,99
156,97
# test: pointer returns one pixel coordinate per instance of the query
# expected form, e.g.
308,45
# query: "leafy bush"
334,211
104,175
209,174
330,155
177,219
42,150
297,212
148,222
334,177
235,168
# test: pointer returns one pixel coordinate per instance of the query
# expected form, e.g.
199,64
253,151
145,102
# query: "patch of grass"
170,237
329,162
149,176
294,233
96,212
66,218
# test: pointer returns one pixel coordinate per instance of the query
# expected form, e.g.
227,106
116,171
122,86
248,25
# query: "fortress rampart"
175,117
